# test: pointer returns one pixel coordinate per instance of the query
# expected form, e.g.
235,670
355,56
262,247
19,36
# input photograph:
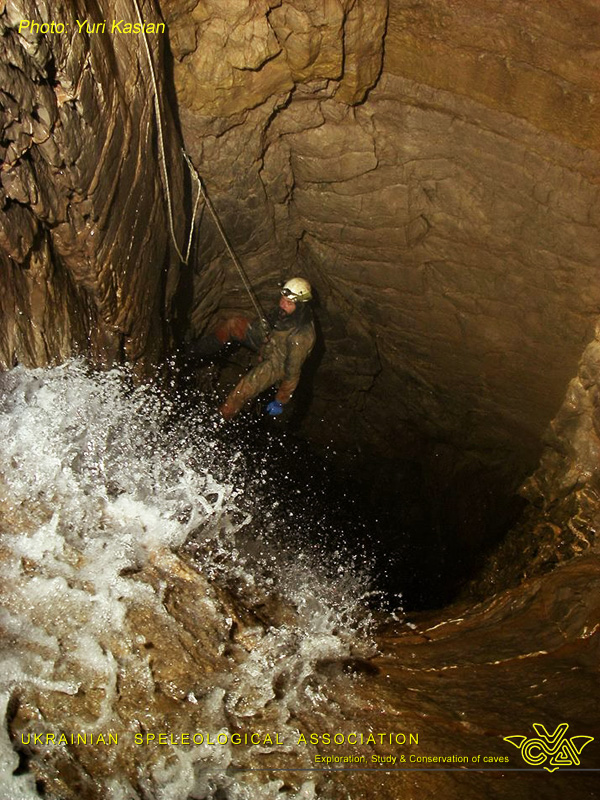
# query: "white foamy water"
98,479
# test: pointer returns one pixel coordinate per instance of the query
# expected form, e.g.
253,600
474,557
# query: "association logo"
554,748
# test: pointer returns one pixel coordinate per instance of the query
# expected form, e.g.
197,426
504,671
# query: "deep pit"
424,522
432,169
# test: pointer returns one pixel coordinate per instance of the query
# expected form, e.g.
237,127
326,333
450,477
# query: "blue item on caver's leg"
274,408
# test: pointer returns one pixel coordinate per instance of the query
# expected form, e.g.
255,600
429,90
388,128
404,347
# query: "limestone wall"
87,264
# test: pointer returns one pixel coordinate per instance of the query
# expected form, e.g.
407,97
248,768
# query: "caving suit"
281,357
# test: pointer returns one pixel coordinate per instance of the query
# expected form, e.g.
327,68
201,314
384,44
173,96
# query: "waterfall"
151,587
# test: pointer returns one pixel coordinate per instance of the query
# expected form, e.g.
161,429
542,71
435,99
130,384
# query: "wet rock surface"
433,170
87,263
457,683
446,220
447,223
562,517
491,670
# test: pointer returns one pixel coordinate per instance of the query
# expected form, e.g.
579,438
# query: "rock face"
563,518
87,263
432,168
445,210
170,631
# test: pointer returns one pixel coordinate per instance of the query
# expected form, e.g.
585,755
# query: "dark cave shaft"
422,168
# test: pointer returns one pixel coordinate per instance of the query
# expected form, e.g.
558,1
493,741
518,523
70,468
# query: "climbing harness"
200,190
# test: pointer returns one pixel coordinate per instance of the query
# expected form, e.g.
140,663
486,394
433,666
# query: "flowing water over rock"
115,633
176,627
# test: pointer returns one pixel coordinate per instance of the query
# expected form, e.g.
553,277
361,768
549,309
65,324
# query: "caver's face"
287,305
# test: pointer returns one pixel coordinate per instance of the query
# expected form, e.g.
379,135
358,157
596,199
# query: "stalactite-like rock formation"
87,264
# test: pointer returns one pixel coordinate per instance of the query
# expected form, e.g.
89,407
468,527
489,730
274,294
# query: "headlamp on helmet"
297,290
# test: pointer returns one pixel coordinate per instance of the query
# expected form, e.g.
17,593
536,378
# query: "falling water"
104,484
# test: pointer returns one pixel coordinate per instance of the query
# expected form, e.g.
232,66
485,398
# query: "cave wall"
431,167
562,518
445,207
87,263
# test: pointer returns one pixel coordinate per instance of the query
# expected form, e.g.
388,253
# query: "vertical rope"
161,141
201,190
234,258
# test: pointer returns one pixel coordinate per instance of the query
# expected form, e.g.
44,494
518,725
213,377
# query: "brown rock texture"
563,518
445,209
432,168
457,684
539,63
87,262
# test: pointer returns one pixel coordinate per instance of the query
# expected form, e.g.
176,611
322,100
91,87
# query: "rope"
161,144
234,258
194,174
201,190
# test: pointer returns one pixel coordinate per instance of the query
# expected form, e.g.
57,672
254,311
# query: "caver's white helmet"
297,290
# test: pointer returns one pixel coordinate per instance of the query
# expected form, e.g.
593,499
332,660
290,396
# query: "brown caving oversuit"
282,356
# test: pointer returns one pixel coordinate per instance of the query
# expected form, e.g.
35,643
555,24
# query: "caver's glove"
274,408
